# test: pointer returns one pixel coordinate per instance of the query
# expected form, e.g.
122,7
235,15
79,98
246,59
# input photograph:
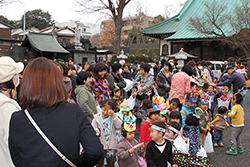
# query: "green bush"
140,52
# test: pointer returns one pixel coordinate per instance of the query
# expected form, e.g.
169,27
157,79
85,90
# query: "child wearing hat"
128,150
159,150
189,106
202,112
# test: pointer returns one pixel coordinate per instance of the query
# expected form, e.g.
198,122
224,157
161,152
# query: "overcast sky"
64,10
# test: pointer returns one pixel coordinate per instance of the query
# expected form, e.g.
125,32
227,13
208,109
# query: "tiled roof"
43,42
178,28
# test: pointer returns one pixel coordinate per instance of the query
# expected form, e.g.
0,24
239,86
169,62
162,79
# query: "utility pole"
24,22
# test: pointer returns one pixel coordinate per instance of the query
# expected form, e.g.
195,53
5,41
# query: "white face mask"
18,81
172,64
200,67
120,71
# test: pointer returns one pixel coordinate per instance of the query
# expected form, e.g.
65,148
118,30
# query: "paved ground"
220,159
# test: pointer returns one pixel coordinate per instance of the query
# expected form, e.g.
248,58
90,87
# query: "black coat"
155,158
65,125
118,79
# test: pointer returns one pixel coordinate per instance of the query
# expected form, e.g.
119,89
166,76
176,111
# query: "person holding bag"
49,132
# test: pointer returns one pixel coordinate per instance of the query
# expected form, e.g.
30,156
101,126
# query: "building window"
164,49
149,22
83,29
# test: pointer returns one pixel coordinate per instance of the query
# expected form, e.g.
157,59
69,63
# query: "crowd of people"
59,114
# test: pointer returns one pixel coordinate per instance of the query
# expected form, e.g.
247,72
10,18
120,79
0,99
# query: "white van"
216,68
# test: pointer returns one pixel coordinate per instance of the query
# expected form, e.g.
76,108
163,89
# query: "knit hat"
9,68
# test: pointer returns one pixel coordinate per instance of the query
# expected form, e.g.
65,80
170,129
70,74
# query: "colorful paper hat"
158,128
225,89
200,82
204,75
204,98
124,107
157,101
163,109
193,98
129,123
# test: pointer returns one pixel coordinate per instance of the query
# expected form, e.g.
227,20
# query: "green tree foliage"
86,43
37,18
7,21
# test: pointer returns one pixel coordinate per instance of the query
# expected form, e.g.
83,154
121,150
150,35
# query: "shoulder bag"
47,140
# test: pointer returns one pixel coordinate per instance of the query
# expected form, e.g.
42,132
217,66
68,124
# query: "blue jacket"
66,125
188,110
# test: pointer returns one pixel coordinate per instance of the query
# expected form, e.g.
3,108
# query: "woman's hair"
7,85
124,132
146,103
222,110
175,115
192,84
161,125
191,63
98,68
42,85
175,125
208,63
111,103
145,67
168,64
191,120
90,69
72,67
115,67
65,69
82,77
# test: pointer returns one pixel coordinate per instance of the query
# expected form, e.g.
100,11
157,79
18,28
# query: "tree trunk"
118,29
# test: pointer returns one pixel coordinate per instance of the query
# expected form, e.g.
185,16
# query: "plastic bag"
223,103
208,144
202,152
131,102
129,85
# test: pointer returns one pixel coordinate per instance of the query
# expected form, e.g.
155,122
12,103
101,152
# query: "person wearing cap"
180,83
242,71
237,80
9,79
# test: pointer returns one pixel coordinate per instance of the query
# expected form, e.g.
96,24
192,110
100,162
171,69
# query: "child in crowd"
142,110
189,107
212,100
164,117
224,100
237,115
175,116
205,87
190,130
225,91
201,111
215,80
127,155
116,93
173,134
153,115
105,124
200,84
193,86
219,124
174,105
159,150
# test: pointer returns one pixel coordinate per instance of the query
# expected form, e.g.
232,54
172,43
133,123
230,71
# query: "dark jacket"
65,125
155,158
236,79
127,75
162,80
118,79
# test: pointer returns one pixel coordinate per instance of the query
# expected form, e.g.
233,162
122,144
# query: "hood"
4,99
188,69
79,88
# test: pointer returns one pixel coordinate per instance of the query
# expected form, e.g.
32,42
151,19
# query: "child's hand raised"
131,150
111,113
